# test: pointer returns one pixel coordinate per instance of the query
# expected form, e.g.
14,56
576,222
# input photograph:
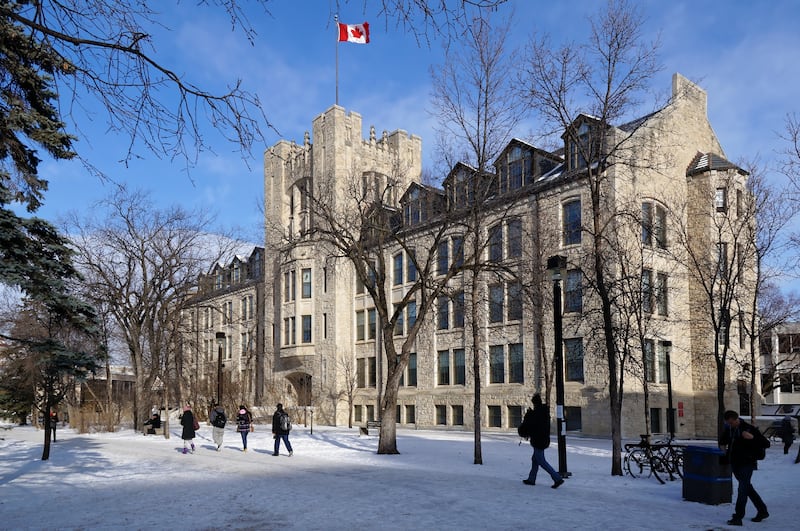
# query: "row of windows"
246,312
290,330
290,284
450,415
505,300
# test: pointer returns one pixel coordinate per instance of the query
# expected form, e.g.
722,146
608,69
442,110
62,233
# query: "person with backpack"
744,445
218,420
281,426
244,424
787,433
536,427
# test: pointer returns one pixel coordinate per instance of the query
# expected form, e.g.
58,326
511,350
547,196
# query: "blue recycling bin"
706,479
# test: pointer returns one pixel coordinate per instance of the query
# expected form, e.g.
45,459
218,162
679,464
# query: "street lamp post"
670,411
220,344
556,265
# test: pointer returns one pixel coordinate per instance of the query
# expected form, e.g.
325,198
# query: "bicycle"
671,456
642,461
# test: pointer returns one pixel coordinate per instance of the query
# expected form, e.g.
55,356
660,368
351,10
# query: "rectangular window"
458,251
443,367
459,367
373,374
370,412
660,227
441,415
649,360
306,328
655,420
514,416
496,243
412,369
243,309
442,258
721,199
243,344
411,313
399,328
358,413
458,415
573,291
661,294
361,372
411,267
571,223
661,362
514,301
289,331
739,204
458,310
647,224
514,228
411,415
497,364
372,326
359,285
360,325
292,285
496,303
442,313
647,291
494,417
516,372
573,354
306,278
398,269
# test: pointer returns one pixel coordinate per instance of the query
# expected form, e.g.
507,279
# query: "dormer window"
581,146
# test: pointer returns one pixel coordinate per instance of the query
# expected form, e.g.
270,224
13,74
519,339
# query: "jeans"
743,474
285,437
244,439
538,460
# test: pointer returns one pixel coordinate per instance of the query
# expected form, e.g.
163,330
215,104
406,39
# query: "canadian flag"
357,33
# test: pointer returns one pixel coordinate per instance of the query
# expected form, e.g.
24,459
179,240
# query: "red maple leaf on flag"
356,32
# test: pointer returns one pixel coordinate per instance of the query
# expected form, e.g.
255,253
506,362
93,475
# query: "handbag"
196,425
252,428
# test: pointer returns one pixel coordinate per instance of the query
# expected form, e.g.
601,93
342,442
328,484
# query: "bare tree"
142,263
582,91
476,113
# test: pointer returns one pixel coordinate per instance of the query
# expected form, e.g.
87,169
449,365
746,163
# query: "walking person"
787,433
189,428
218,420
536,426
742,443
281,425
53,423
244,424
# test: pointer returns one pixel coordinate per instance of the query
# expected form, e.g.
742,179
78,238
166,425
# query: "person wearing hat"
244,424
281,424
537,426
188,423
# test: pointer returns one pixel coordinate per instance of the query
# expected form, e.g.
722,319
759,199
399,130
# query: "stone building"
780,367
674,187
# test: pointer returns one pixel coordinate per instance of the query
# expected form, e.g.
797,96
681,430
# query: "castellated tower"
308,325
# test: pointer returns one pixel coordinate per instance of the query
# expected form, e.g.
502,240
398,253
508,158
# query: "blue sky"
741,52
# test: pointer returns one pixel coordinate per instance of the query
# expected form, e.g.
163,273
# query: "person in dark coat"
536,425
188,433
244,424
787,433
741,441
152,424
278,432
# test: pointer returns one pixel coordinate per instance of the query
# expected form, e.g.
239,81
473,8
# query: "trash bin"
705,478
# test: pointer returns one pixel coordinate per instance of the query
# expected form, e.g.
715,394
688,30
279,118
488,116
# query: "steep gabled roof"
703,162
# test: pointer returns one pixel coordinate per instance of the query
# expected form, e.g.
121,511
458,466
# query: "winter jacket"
741,451
243,421
217,412
187,421
537,424
276,423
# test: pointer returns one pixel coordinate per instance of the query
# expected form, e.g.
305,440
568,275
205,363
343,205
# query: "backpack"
762,443
285,422
219,420
523,430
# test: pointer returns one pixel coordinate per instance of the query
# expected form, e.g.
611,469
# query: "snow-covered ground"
335,480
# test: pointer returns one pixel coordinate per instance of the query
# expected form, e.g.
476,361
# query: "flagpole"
336,19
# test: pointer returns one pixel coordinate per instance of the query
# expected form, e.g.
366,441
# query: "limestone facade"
321,333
